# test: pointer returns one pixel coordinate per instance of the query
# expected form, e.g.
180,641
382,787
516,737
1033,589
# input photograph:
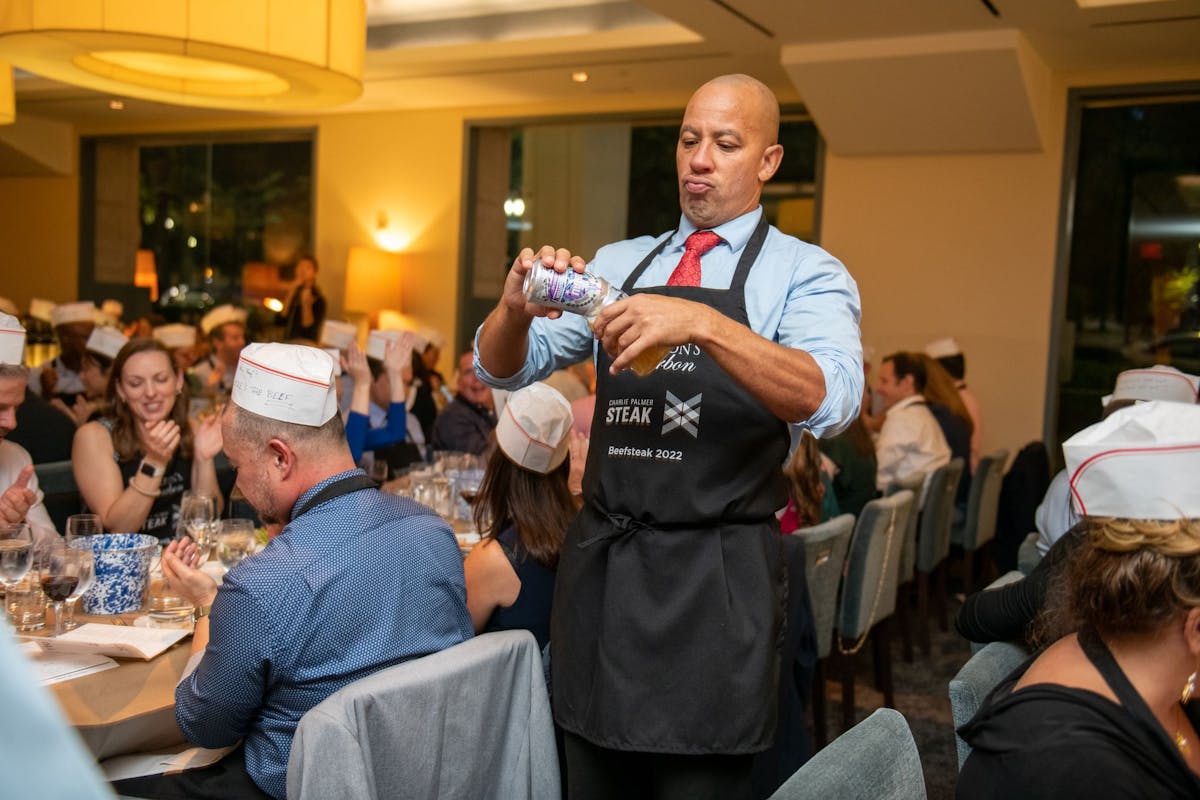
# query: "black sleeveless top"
164,513
531,610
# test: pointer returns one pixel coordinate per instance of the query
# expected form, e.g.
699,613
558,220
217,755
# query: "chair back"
983,503
60,495
434,727
877,759
1028,554
937,515
978,676
825,547
914,482
873,565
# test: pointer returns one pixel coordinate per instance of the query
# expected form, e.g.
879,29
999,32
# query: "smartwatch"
149,470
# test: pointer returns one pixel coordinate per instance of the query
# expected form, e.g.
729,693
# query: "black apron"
668,607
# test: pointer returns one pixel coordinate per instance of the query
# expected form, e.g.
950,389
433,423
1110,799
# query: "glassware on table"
63,571
198,521
441,496
87,577
236,541
83,525
16,557
468,486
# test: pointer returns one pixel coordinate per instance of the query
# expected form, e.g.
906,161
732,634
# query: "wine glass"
197,515
236,540
87,577
16,552
83,525
62,574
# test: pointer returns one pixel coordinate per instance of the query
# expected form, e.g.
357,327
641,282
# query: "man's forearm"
504,341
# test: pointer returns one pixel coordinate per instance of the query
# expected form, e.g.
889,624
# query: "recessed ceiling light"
116,105
579,76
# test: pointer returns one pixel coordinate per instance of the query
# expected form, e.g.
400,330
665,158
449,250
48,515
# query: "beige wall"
39,238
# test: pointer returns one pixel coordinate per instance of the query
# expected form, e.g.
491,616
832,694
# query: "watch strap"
199,612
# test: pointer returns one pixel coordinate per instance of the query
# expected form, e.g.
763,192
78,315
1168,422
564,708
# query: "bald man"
669,598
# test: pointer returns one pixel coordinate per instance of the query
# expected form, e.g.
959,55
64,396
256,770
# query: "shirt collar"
312,491
912,399
735,233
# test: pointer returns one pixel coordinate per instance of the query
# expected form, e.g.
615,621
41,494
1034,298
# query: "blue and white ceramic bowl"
122,568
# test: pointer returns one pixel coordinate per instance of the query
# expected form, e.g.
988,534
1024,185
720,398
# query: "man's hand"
16,500
182,574
354,364
643,321
514,285
206,440
161,440
397,358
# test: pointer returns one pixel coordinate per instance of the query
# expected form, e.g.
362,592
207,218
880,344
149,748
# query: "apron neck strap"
346,485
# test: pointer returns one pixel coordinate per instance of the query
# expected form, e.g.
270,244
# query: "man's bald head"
728,148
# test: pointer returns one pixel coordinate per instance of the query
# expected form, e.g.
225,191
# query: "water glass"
441,496
16,552
87,578
197,520
236,540
83,525
26,604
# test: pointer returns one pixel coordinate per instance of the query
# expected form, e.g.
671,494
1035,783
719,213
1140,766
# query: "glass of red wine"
65,573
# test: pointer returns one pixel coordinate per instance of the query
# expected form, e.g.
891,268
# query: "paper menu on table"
119,641
51,668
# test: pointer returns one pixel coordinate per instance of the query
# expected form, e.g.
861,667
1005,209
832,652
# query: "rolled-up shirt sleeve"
216,705
553,343
821,317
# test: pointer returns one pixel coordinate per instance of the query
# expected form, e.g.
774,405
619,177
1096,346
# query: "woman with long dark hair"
523,507
133,466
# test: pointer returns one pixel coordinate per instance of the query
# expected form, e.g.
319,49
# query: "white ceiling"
442,53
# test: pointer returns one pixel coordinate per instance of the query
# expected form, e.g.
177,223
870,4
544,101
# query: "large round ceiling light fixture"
241,54
7,101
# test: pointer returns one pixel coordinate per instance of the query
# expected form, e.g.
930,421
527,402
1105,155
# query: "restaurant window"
585,184
177,226
1132,293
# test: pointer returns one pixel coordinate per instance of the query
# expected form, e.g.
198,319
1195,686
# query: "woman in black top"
1100,713
133,466
523,507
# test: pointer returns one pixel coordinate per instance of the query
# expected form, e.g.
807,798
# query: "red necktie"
688,271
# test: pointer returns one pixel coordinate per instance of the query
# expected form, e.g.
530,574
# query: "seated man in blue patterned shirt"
356,581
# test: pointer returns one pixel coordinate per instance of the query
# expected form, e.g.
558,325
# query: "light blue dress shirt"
797,295
358,583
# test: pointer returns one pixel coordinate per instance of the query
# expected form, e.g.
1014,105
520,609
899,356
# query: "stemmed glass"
197,518
16,553
83,525
236,540
87,577
64,571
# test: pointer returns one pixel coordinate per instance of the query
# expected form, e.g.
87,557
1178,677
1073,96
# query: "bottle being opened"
585,294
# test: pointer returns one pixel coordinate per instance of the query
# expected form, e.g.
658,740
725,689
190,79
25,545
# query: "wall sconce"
388,239
145,273
373,279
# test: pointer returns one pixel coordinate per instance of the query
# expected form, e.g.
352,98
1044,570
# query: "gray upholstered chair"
60,495
469,721
1028,554
913,482
868,597
877,759
825,548
933,545
977,677
979,527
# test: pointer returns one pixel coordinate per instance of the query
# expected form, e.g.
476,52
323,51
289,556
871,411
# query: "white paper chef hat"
377,342
66,313
12,340
338,334
336,355
106,341
1159,382
175,335
221,315
943,348
1139,463
431,337
534,430
40,309
287,382
9,307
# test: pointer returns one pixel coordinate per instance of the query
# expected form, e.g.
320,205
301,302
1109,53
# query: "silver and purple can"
577,292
